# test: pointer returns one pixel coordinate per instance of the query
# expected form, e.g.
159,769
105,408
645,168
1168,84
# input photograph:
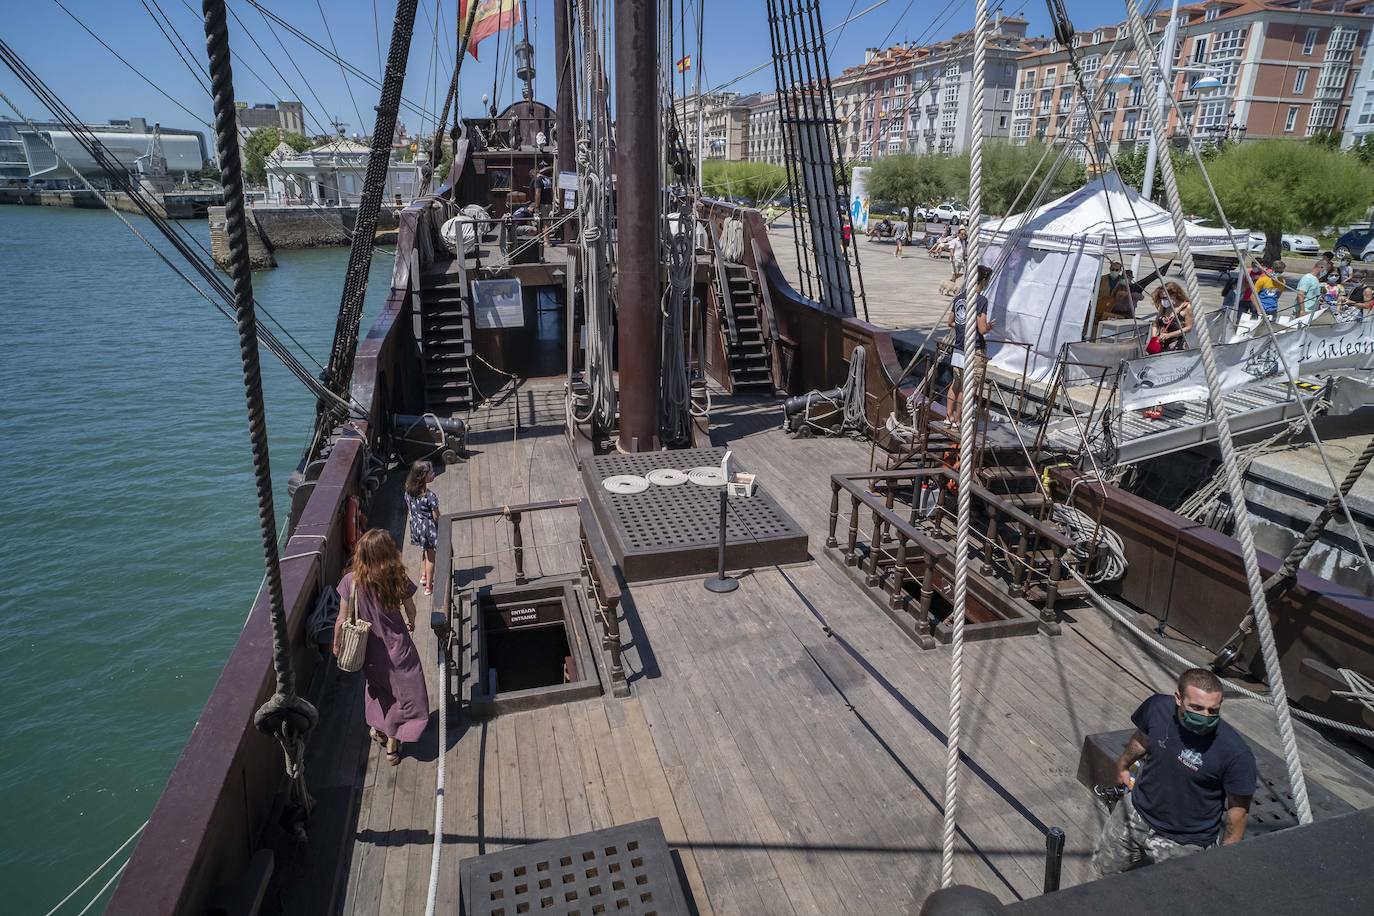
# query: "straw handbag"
355,633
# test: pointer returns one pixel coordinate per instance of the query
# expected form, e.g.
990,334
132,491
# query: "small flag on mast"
492,16
685,64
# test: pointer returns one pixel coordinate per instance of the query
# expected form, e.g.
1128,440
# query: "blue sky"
98,87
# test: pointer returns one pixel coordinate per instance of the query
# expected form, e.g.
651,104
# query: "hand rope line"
1235,485
970,385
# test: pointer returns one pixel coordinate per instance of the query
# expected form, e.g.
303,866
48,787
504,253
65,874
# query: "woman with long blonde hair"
396,704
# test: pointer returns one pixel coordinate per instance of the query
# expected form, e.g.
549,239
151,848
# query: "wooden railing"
1029,555
595,566
210,829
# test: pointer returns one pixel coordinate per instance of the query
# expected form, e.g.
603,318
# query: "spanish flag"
492,16
685,64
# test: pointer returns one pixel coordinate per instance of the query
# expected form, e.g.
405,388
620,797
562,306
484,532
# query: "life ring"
355,523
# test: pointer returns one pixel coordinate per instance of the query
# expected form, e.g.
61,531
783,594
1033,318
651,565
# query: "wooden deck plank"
512,823
555,804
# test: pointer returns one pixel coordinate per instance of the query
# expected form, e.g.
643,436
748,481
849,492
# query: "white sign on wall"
498,303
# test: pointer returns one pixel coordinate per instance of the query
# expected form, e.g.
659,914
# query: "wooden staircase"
742,327
446,345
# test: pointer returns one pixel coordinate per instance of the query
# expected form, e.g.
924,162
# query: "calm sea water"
129,529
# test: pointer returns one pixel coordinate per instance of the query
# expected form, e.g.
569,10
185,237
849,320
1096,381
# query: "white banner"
1167,378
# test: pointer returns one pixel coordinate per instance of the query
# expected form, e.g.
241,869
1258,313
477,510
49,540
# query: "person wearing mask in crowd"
1106,290
1326,263
1345,270
965,357
1268,285
1196,778
1333,293
1309,292
1173,321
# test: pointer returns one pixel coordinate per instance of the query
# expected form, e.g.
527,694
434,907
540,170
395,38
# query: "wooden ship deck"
788,736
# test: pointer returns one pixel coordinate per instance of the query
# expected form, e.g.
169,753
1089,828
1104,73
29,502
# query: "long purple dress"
397,701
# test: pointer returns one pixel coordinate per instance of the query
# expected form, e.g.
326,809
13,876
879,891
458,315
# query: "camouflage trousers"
1127,842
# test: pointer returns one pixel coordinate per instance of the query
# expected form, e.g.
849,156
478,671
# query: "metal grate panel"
670,531
625,870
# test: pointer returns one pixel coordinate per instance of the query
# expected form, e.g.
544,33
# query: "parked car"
947,212
1291,241
1357,244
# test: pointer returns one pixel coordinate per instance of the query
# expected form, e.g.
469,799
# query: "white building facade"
331,175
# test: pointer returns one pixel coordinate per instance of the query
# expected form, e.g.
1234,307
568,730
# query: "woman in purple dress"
397,701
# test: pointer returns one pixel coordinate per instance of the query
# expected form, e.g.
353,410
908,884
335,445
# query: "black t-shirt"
1185,778
961,316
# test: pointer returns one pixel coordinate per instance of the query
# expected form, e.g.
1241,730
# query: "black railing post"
1054,858
720,582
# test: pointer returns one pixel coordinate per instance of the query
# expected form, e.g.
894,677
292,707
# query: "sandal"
429,590
393,757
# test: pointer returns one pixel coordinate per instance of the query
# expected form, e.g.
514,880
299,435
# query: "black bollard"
1054,858
720,582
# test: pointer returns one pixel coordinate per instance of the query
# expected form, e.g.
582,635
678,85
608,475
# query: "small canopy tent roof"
1105,217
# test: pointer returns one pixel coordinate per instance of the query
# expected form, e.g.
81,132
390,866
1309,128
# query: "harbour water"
129,529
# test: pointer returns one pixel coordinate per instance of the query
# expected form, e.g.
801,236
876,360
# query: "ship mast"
638,284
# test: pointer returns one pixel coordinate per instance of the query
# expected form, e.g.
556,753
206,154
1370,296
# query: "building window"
899,80
1128,127
1109,101
1199,50
1045,97
1228,44
1066,100
1292,121
1212,13
1137,93
1310,42
1021,131
1024,102
1212,115
1104,128
1049,76
865,150
1006,96
1029,81
1091,63
1300,81
1367,110
1099,36
952,72
894,146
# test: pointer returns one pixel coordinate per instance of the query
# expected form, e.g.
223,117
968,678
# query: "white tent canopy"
1042,294
1105,216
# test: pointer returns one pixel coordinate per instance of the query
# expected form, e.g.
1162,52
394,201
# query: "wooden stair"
446,345
751,363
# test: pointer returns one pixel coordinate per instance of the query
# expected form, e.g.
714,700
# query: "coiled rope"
285,715
1087,537
1278,694
967,427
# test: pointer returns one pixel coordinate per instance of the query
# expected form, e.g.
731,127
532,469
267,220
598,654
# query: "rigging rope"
1235,485
968,423
339,372
286,715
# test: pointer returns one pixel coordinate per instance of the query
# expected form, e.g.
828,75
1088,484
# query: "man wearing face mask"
1194,786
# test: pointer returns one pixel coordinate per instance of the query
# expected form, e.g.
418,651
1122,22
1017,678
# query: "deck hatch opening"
532,648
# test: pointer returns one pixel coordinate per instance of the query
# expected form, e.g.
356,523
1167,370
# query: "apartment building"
919,99
1287,69
725,124
765,130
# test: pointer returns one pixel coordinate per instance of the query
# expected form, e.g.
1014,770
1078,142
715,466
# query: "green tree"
910,181
1007,168
1273,186
756,181
1364,150
209,173
260,143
